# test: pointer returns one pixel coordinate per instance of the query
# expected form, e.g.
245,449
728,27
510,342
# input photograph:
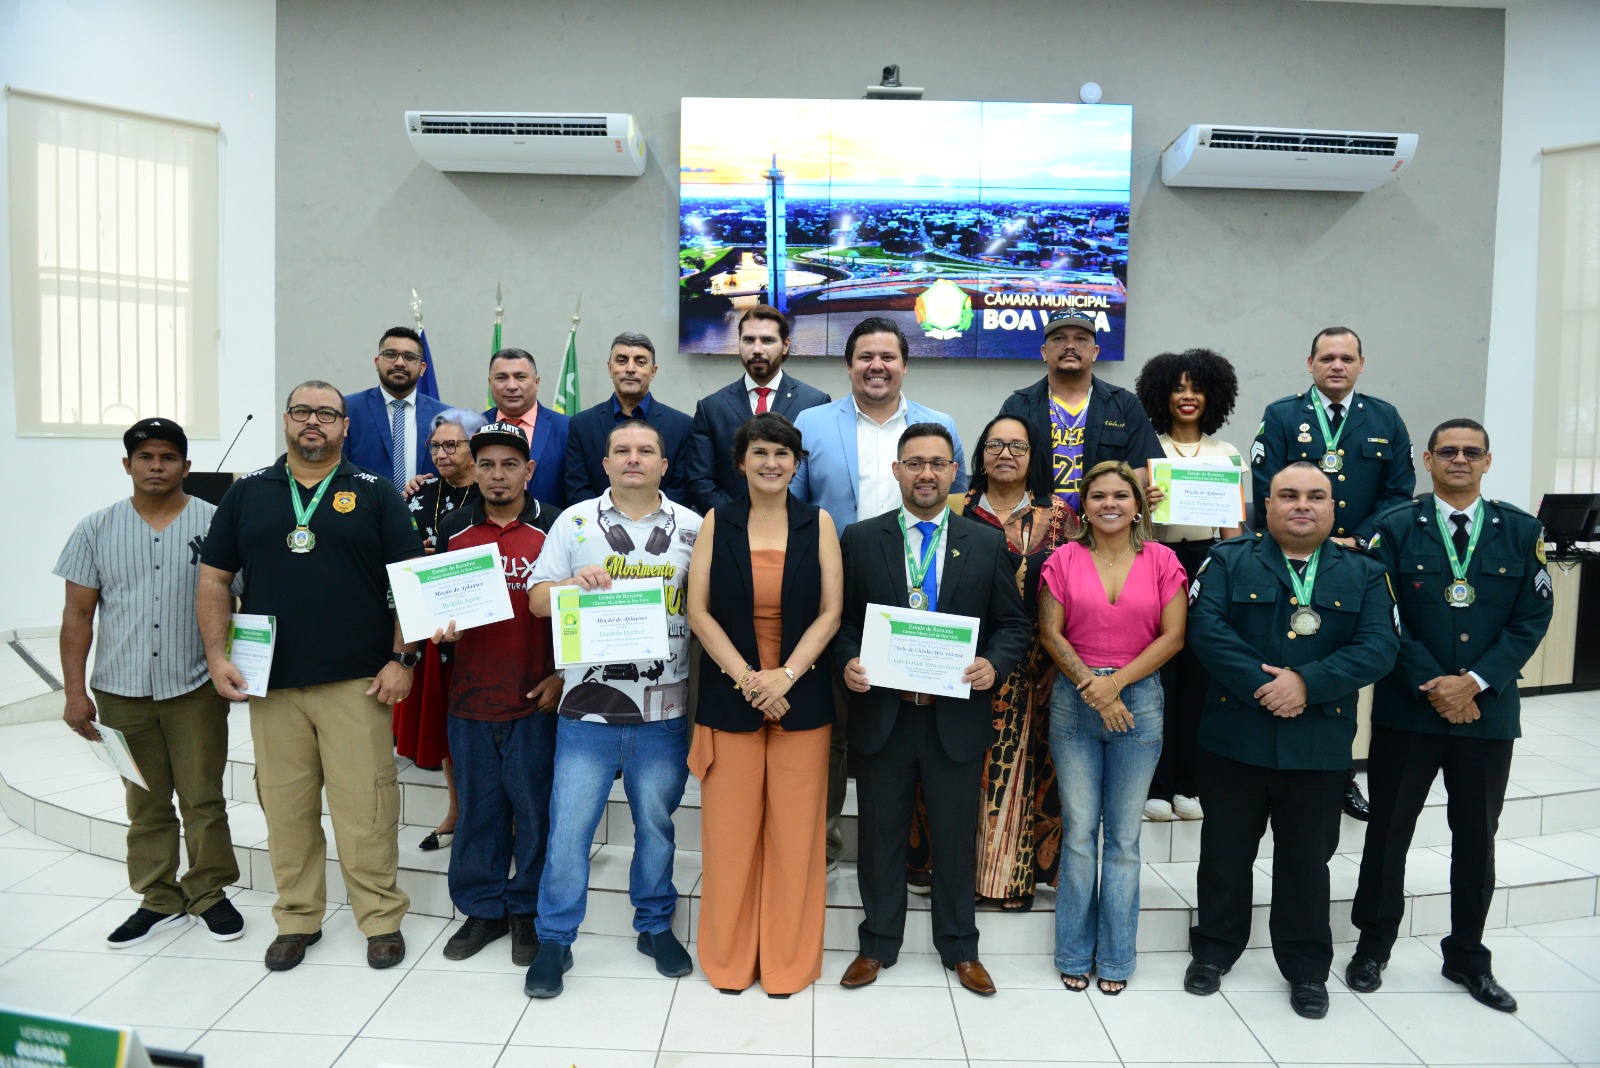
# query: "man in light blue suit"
851,447
851,442
394,402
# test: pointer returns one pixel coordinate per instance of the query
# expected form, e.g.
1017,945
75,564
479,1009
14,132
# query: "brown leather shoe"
287,950
862,972
972,975
385,951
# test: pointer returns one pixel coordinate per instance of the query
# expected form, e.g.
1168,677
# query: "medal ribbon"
302,516
919,569
1328,436
1458,565
1302,586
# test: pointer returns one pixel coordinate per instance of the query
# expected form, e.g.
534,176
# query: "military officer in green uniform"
1359,440
1474,603
1291,625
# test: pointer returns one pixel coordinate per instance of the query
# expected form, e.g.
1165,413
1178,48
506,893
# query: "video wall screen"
966,222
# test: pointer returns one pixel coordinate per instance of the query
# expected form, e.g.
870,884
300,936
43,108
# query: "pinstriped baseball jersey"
149,643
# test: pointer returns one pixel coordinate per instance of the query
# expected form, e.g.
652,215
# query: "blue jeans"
1104,777
503,773
654,761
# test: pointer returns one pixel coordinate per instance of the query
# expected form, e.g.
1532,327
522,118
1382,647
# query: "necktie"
397,455
762,393
1299,566
930,581
1338,416
1459,535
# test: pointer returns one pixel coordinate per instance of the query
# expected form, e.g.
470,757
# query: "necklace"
1115,559
1176,444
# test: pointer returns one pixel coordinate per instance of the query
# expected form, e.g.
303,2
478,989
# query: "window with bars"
113,219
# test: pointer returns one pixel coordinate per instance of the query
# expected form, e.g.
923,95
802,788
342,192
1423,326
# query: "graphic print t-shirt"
1066,449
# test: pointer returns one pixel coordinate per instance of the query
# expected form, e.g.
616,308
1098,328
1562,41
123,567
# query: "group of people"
1124,670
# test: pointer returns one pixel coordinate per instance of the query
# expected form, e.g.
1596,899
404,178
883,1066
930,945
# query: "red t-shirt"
497,664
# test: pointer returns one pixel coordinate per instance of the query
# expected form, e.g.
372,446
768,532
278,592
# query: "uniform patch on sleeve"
1538,548
1258,453
1373,544
1542,587
1194,591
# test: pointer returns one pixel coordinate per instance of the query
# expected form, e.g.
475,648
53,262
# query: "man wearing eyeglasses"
923,556
312,535
389,423
1475,601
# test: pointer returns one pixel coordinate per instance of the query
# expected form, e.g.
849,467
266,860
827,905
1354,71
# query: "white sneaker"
1187,808
1158,810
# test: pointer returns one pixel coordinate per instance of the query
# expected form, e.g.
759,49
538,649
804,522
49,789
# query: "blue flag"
429,384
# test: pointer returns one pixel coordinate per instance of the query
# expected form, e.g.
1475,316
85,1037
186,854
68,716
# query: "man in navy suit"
763,347
394,404
514,387
853,444
920,555
632,366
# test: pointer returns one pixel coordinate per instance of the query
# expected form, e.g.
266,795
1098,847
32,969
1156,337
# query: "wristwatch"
406,660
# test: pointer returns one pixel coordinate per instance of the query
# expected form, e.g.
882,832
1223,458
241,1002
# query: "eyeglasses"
1472,454
302,413
446,447
938,467
1015,448
395,354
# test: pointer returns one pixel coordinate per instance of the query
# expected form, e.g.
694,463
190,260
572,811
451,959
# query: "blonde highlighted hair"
1141,524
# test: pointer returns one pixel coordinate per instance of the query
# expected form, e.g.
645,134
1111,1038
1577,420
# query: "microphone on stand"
211,485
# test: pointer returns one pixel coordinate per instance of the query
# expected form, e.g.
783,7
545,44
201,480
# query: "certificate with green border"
1207,491
625,622
924,652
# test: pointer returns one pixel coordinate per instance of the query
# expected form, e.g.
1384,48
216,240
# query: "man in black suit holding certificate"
923,556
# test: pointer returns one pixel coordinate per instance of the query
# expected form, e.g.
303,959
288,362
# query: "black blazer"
1116,428
708,461
976,580
586,447
732,604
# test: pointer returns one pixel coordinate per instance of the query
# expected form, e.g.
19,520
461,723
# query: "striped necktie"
397,429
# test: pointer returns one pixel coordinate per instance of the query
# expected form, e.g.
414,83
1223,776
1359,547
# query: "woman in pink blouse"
1111,612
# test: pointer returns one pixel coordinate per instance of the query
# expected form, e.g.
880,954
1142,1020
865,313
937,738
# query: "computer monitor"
1570,518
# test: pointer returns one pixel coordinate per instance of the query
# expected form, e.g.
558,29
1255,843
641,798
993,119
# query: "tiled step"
1548,860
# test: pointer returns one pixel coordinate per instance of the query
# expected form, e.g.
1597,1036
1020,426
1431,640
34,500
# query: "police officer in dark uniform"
1359,440
1474,603
1291,625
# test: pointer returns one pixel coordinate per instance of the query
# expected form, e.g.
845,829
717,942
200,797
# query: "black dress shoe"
1484,990
1309,999
1202,978
1355,802
1363,974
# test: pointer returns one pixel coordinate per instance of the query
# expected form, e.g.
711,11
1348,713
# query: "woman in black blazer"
765,596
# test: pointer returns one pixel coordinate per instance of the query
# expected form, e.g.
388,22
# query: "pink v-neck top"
1105,634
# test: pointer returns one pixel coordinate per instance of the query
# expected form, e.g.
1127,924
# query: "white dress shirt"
876,449
753,398
407,447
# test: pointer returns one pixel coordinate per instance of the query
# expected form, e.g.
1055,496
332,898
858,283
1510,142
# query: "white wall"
1552,97
194,59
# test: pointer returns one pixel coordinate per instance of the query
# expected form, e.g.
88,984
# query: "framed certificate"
925,652
1207,491
465,585
626,622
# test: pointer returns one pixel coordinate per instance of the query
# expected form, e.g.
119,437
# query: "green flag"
494,348
566,398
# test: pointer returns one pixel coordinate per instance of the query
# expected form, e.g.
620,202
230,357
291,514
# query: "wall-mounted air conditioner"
1265,157
515,142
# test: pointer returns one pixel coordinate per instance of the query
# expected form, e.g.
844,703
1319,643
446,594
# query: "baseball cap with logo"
1062,319
500,434
160,430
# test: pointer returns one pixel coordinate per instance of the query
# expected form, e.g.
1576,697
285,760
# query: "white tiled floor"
183,990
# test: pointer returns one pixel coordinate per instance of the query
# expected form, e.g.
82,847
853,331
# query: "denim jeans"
654,761
1104,777
503,772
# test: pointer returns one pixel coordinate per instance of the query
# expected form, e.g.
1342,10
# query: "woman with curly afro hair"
1188,396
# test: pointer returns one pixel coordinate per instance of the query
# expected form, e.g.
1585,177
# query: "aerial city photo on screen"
966,222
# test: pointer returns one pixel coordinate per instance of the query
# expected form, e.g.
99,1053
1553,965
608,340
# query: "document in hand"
626,622
924,652
112,749
1207,491
465,585
251,640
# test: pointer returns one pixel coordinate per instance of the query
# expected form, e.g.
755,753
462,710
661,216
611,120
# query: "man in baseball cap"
156,430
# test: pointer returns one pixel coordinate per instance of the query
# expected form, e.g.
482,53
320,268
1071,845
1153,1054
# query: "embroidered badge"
344,501
1542,587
